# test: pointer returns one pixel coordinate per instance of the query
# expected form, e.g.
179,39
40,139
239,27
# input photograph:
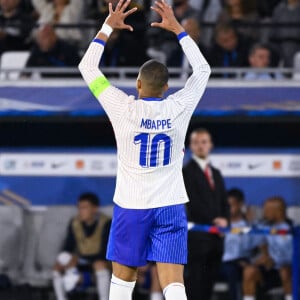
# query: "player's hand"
117,16
169,21
220,222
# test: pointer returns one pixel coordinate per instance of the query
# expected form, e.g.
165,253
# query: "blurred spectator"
177,59
272,268
83,259
265,7
230,49
208,205
287,38
237,247
27,7
61,12
239,12
124,48
260,58
209,13
15,26
50,51
161,40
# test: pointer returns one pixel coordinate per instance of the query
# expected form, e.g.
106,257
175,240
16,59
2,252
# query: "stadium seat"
293,213
296,74
11,224
44,247
13,60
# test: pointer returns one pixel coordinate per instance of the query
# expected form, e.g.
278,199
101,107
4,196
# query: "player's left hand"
117,16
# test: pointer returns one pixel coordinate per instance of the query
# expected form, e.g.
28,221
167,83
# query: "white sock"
288,297
248,298
156,296
103,283
120,289
175,291
58,286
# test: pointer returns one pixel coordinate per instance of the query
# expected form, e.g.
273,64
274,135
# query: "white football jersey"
150,133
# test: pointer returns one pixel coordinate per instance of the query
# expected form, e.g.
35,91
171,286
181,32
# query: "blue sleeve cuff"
98,41
181,35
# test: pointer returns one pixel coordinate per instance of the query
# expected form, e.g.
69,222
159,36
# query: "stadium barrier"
130,72
254,230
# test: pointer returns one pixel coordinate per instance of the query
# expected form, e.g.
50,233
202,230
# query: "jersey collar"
152,99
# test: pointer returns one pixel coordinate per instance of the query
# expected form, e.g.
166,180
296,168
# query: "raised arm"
196,84
110,97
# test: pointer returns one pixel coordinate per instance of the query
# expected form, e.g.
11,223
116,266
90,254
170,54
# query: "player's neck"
149,95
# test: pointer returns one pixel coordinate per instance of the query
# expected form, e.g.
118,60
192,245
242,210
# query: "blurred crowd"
228,42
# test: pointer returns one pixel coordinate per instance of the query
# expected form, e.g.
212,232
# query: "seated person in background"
239,12
287,38
165,42
61,12
84,251
237,247
15,26
192,27
272,268
230,49
125,48
260,58
50,51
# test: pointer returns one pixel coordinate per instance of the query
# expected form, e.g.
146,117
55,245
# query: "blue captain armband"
98,41
181,35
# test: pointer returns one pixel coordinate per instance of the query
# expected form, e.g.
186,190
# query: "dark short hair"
237,194
258,46
155,74
89,197
201,130
224,28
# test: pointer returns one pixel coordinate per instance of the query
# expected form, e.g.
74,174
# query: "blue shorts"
138,236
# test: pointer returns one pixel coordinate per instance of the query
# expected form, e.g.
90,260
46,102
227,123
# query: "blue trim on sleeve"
181,35
98,41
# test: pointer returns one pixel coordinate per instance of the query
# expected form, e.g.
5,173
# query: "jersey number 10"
150,158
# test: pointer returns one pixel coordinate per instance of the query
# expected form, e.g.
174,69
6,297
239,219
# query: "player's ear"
166,87
138,84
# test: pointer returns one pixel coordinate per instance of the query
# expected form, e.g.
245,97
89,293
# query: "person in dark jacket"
230,49
15,26
208,205
51,51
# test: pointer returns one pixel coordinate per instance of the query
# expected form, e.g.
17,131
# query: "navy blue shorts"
138,236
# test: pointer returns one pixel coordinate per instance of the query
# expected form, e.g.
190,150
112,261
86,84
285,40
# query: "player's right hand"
169,21
117,16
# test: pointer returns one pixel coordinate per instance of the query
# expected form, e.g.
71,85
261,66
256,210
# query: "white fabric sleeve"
41,5
111,98
194,88
75,10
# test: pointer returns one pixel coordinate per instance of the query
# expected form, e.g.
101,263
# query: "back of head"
154,75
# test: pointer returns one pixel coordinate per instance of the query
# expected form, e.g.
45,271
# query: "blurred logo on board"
10,165
277,165
80,164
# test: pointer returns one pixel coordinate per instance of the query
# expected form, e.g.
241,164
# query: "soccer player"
149,220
